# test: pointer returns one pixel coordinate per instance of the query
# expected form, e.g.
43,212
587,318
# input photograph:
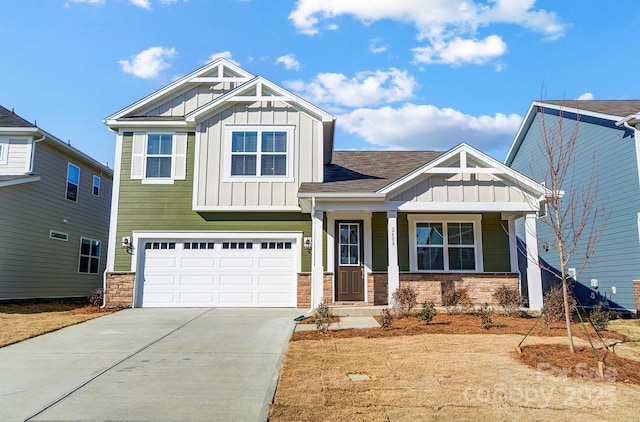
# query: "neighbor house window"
3,151
73,181
89,262
260,152
96,185
446,245
159,155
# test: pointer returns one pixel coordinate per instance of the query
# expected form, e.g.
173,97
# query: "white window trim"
99,185
90,256
66,185
158,180
229,129
4,150
476,219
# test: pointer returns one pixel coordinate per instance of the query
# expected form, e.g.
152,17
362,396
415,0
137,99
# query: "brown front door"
349,261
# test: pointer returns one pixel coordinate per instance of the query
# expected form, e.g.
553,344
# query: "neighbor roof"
619,108
367,171
10,119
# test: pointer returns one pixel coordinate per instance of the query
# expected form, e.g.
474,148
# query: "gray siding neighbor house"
228,192
54,214
608,146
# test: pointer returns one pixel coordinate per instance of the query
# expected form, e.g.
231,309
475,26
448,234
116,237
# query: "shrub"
386,319
600,317
554,305
323,316
96,297
456,300
404,299
485,316
509,299
427,312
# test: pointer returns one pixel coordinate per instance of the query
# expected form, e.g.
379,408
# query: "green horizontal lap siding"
148,207
495,244
403,242
380,256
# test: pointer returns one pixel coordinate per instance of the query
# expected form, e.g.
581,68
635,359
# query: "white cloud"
148,63
438,22
224,54
289,61
364,89
413,126
586,96
377,46
458,51
144,4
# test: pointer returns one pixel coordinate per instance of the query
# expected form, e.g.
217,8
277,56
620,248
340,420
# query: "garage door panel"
217,272
196,280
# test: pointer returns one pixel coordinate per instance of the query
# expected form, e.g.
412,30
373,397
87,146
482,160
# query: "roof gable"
464,159
218,71
8,119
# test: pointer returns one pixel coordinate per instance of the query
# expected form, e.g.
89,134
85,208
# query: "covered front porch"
450,223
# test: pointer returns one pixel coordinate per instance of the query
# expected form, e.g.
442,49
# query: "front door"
349,261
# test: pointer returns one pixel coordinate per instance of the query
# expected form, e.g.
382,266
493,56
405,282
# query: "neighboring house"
608,146
54,214
228,193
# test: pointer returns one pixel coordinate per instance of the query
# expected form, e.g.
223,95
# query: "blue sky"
398,74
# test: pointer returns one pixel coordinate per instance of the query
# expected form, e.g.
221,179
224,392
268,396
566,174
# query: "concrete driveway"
149,365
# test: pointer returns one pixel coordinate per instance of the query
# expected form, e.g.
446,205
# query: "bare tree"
574,214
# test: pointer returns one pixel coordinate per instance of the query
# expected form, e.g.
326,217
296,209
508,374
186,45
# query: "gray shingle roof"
621,108
10,119
367,171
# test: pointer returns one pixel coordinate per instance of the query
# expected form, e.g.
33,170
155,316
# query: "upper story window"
444,243
73,182
96,185
159,157
263,152
3,151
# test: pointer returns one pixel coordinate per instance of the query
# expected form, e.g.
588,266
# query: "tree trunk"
567,314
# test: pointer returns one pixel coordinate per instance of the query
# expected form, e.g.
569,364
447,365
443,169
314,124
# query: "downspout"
33,151
313,213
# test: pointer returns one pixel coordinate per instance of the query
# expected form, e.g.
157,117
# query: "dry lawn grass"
448,377
20,321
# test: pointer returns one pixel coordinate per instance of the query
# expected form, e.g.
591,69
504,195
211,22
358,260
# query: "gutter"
33,149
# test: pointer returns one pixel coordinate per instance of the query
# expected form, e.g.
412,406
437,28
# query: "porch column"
393,271
534,278
317,270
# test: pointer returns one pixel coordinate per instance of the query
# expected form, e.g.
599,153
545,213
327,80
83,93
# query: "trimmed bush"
457,301
323,316
485,316
554,306
404,299
509,299
600,317
96,297
427,312
386,319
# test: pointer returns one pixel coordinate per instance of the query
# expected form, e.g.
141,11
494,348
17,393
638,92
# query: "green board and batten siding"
149,207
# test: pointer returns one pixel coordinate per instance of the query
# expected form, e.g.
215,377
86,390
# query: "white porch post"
317,271
393,271
534,278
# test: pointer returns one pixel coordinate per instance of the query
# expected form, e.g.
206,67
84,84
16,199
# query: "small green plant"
96,297
457,301
600,317
386,319
554,306
323,316
404,299
509,299
485,316
427,312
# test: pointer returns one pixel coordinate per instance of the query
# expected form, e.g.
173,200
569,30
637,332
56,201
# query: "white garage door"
232,273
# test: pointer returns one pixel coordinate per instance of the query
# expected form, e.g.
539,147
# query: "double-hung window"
259,152
96,185
89,261
3,151
159,155
446,243
73,182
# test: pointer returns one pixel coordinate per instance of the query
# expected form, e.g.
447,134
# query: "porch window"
446,245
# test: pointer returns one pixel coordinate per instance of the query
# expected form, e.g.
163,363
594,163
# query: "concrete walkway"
149,365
